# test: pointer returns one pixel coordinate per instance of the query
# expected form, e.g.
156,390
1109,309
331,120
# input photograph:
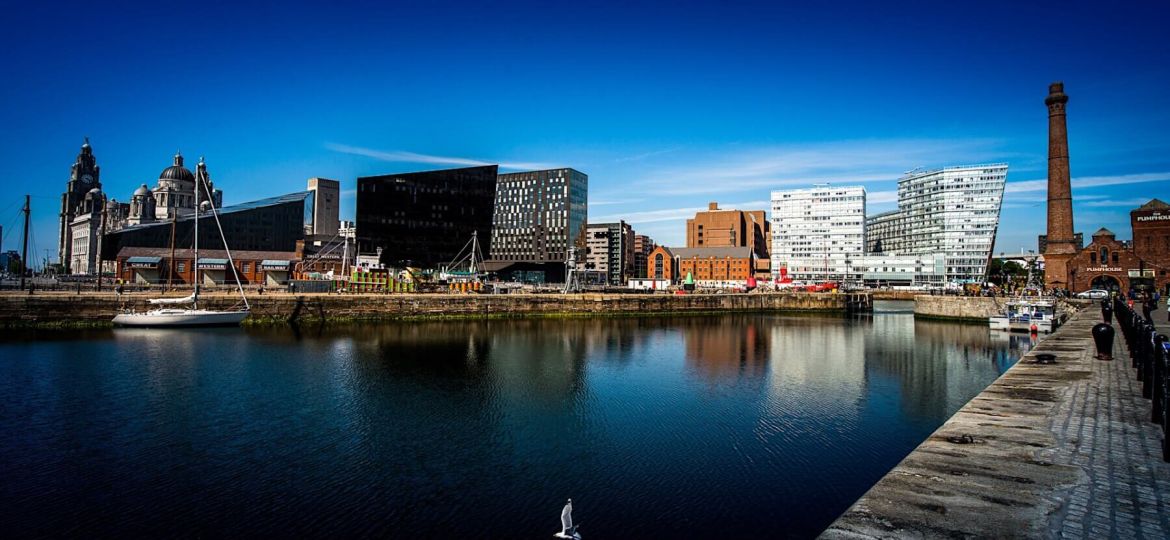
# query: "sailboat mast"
24,250
195,301
202,177
171,266
474,246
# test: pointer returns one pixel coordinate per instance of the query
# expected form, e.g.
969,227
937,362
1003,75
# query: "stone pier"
1047,451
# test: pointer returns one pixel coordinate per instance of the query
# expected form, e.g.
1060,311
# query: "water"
724,426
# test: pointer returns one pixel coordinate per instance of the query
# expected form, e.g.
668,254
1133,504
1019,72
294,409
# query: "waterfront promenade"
1047,451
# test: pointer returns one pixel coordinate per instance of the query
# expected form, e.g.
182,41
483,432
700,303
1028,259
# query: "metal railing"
1149,354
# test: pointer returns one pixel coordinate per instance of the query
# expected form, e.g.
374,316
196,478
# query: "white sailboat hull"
181,317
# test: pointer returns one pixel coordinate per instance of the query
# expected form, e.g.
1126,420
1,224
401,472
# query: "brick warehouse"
1107,263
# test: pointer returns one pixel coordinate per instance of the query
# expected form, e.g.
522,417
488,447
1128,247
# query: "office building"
538,216
610,251
643,245
952,212
423,219
817,232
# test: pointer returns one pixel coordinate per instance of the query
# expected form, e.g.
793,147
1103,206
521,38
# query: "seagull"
568,530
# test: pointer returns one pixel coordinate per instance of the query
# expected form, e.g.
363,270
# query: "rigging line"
200,179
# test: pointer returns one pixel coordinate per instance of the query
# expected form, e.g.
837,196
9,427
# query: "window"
181,267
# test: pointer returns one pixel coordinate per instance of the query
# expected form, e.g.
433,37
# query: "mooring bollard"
1149,354
1103,337
1106,312
1159,357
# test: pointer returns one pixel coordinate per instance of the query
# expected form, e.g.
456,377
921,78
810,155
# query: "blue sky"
665,108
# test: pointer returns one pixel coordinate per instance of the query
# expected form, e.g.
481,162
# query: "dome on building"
177,171
143,191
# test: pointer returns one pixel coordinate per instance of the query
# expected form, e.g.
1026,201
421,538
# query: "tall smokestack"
1061,242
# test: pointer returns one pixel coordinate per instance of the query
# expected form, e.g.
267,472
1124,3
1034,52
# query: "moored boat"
1025,314
166,317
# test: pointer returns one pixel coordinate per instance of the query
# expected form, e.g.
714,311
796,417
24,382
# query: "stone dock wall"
65,309
958,308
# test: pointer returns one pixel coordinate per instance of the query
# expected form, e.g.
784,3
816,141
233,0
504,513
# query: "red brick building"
716,228
154,266
1107,263
708,266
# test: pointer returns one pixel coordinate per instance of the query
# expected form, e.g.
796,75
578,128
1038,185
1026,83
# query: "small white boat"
1021,314
169,317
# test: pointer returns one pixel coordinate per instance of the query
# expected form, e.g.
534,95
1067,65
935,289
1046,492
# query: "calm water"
707,427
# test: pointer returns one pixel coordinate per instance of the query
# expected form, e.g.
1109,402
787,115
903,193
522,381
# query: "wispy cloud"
399,156
612,202
677,214
848,162
644,155
1130,203
1089,181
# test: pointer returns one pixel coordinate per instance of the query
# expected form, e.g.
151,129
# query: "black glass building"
423,219
274,224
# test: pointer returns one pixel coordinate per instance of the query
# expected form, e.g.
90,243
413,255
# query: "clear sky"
665,106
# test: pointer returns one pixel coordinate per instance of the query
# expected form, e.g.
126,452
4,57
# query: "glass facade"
424,219
817,233
539,215
953,212
274,224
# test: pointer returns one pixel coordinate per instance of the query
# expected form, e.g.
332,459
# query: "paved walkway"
1103,428
1047,451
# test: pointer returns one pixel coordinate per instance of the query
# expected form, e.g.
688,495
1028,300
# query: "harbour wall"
957,308
96,309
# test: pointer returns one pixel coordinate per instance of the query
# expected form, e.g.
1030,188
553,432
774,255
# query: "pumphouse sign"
1156,216
1103,269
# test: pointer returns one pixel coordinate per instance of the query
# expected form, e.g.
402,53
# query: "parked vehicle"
1094,294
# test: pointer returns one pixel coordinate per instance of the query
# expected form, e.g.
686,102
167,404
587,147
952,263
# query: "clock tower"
84,175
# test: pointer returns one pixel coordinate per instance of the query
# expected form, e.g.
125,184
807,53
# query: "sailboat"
192,316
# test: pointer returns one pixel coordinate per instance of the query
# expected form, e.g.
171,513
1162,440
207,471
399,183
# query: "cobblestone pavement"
1062,450
1104,429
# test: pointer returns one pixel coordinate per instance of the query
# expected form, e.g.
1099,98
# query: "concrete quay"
96,309
1047,451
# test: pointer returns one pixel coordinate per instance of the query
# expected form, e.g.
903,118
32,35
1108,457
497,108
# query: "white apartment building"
951,213
818,232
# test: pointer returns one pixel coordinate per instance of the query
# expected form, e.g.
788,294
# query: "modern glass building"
274,224
818,232
423,219
952,212
539,215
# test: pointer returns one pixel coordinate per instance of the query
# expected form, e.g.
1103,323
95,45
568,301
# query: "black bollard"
1103,337
1106,312
1147,367
1159,394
